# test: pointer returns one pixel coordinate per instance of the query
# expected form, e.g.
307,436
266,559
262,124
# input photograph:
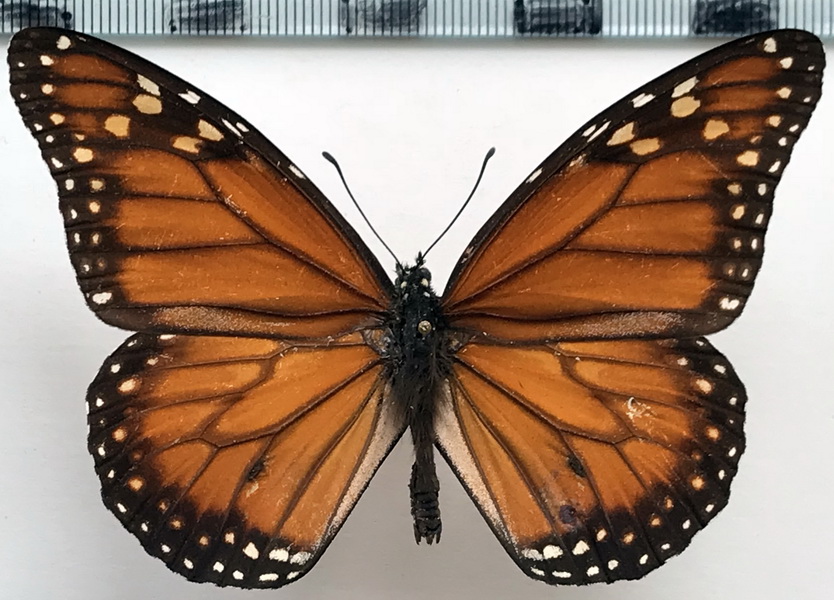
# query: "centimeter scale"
423,18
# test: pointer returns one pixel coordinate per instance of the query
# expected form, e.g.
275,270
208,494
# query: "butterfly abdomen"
418,363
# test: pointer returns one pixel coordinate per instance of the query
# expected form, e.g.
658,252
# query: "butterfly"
562,373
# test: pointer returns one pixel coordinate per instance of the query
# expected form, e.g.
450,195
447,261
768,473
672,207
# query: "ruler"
422,18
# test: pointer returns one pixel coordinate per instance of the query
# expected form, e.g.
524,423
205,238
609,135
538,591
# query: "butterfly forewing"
594,461
167,195
236,460
651,219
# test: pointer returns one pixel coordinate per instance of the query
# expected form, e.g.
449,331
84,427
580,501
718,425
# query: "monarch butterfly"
562,373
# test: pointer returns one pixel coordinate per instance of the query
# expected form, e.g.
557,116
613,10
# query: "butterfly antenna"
490,153
329,158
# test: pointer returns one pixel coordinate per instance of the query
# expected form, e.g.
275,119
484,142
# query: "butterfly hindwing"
180,216
650,220
205,449
594,461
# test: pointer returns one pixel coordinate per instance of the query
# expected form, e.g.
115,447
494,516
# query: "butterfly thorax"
418,360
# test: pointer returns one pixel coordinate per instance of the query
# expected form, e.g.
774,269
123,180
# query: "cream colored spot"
655,521
774,120
56,163
47,88
727,303
295,170
119,434
218,567
760,218
57,118
684,87
152,361
683,107
63,43
729,269
622,135
149,105
601,535
96,185
703,385
176,523
719,368
49,139
686,524
734,189
187,144
709,508
786,62
732,452
646,146
644,559
628,538
713,433
737,212
670,504
642,100
144,527
551,551
209,131
79,136
533,176
715,128
251,551
736,243
599,131
561,574
190,97
163,505
47,61
229,538
754,243
698,483
129,385
136,483
268,577
69,184
748,158
783,141
188,564
279,554
532,554
769,45
82,155
592,571
147,85
237,575
722,474
613,564
784,92
121,507
793,128
299,558
118,125
101,298
762,189
581,547
775,166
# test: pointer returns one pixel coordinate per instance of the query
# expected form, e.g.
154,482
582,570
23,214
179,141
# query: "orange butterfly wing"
596,457
166,195
204,449
234,459
650,220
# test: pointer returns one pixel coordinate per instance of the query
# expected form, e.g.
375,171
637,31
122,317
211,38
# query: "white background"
410,122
